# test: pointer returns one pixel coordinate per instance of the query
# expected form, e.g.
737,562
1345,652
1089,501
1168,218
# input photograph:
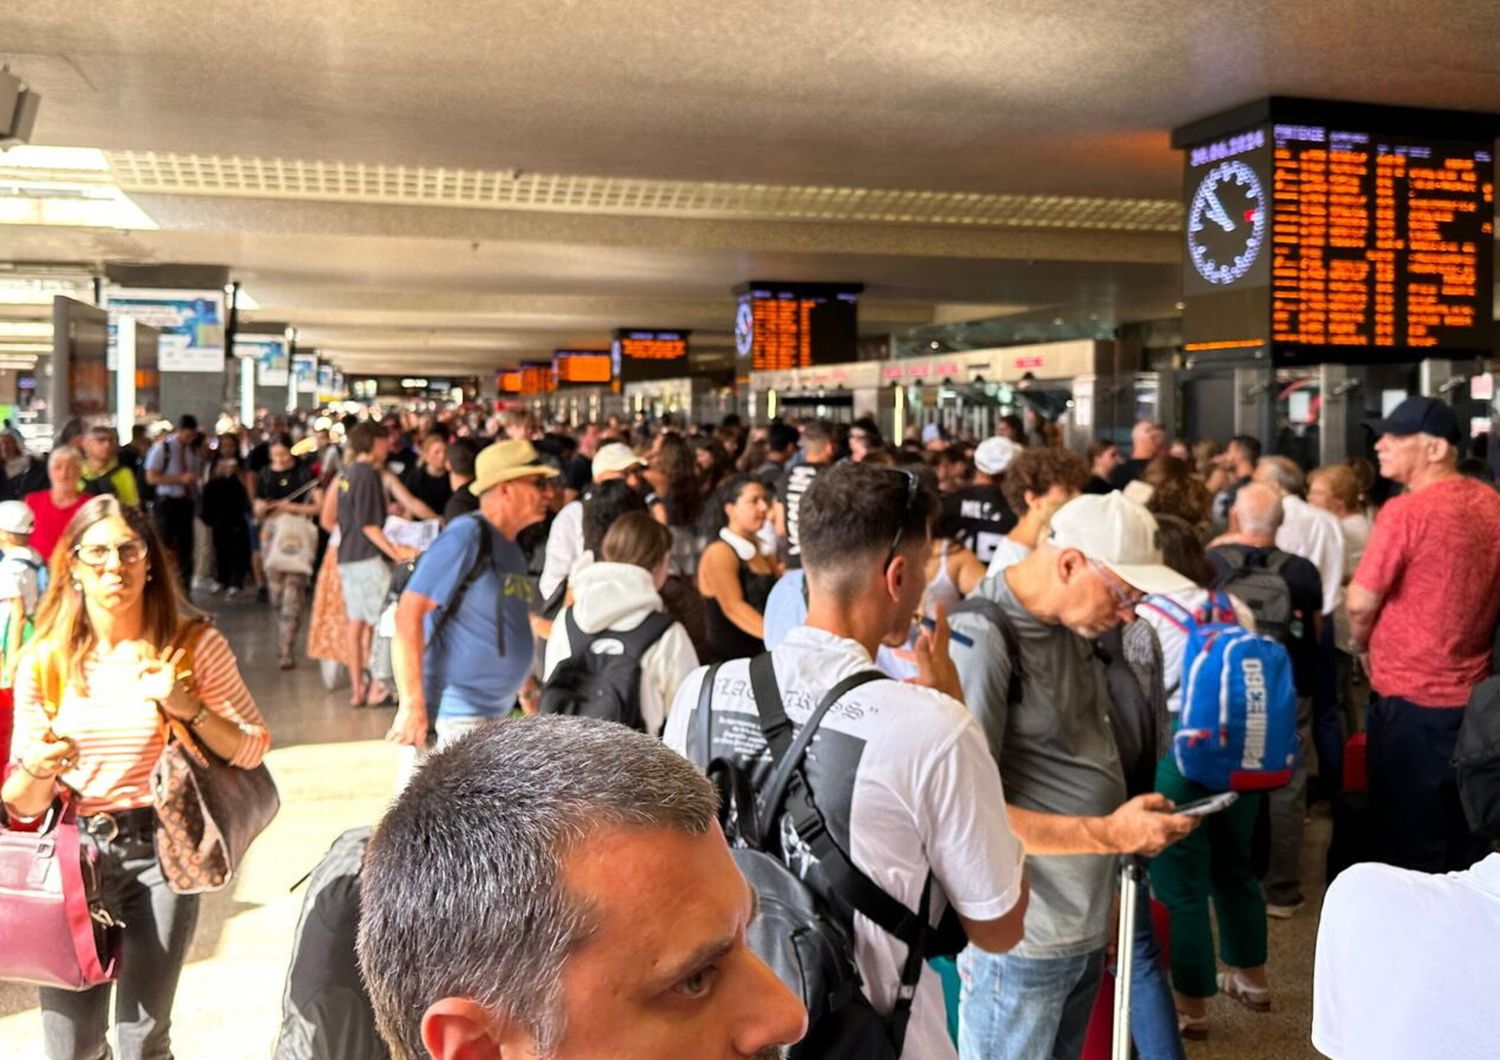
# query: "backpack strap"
705,716
639,640
997,617
1221,608
482,561
848,888
1171,610
1277,560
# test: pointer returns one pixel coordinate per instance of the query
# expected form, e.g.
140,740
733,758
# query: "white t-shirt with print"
920,793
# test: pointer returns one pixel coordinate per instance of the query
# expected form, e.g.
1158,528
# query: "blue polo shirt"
481,658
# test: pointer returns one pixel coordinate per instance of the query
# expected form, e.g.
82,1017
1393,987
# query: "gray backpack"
1256,578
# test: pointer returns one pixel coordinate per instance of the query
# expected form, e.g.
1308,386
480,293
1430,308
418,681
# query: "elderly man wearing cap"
614,460
1049,730
1422,607
463,647
980,510
1406,960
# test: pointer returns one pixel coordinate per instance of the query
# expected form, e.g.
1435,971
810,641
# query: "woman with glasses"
735,575
108,665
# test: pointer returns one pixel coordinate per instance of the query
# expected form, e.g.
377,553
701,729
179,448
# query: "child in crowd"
22,581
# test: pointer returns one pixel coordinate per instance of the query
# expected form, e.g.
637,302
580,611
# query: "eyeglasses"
129,552
913,486
1126,598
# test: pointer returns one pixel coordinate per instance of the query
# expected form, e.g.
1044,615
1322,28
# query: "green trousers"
1212,864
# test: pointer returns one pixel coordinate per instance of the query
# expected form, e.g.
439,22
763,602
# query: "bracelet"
199,717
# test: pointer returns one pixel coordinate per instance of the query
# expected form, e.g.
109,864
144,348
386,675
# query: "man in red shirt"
1422,609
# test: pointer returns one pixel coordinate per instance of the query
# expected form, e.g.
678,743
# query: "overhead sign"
537,377
305,373
780,326
191,324
643,355
583,367
272,361
1342,233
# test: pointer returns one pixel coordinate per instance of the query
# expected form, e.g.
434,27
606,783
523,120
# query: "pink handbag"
53,930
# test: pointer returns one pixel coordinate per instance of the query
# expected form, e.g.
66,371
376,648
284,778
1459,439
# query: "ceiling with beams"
1060,105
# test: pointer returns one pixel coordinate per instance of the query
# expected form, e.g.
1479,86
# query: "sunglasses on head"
913,487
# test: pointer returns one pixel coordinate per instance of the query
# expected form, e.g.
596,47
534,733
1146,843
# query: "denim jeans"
1153,1012
159,927
1025,1008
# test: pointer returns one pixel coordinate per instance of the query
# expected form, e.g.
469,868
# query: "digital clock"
1226,222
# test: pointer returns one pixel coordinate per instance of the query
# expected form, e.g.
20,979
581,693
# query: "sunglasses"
913,487
129,552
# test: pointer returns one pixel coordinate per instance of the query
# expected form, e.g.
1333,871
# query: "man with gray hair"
559,888
1306,531
1286,594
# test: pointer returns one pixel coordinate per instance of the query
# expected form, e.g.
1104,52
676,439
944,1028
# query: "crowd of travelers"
932,688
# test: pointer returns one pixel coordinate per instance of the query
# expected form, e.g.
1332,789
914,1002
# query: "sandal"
1253,998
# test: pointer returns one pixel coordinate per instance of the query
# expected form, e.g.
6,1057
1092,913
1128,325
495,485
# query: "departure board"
582,367
537,377
1340,240
643,355
780,326
508,382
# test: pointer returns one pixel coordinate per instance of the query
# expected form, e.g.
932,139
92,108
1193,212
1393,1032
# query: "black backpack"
325,1011
805,928
602,677
1256,579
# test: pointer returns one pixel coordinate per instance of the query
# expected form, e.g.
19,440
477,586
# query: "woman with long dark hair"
112,659
735,576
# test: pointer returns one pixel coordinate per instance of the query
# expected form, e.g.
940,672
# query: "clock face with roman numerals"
1226,227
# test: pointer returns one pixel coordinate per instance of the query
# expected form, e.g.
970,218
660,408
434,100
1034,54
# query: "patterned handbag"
207,811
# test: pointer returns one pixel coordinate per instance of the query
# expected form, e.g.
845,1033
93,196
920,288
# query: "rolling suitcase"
1109,1027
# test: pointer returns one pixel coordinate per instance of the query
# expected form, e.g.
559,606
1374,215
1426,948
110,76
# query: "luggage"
54,930
1237,729
1256,579
1109,1028
805,932
291,545
602,676
325,1012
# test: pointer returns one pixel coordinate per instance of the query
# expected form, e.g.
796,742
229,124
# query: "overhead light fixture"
25,347
15,290
68,187
25,329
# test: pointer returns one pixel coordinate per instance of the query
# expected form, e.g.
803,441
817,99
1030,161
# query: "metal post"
1334,387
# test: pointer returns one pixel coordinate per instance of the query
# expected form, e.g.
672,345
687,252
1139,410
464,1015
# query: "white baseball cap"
16,518
614,458
1120,535
994,455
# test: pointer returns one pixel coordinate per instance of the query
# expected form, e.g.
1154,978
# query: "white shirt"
924,795
1008,553
564,543
1406,965
1173,639
1316,536
620,596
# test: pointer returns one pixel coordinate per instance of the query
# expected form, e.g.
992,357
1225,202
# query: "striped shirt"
120,735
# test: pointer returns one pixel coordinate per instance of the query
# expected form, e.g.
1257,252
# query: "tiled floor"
335,772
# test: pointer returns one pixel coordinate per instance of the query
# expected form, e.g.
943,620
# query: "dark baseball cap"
1476,760
1420,415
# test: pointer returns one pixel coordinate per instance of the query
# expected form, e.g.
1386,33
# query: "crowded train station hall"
633,531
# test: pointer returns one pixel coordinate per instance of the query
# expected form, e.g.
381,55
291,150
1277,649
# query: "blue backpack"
1237,730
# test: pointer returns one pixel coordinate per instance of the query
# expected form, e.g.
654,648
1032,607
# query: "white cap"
16,518
614,458
994,455
1117,533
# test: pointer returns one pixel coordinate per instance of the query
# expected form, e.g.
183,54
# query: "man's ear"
896,574
457,1028
1069,562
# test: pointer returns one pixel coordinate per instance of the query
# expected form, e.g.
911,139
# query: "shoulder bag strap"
705,715
990,609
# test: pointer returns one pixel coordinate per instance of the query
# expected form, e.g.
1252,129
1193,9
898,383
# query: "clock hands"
1216,210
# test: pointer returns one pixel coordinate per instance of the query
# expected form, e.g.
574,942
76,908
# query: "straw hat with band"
505,462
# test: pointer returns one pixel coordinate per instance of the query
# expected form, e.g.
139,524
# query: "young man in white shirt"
1406,959
901,772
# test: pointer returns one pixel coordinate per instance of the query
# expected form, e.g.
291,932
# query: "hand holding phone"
1204,807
